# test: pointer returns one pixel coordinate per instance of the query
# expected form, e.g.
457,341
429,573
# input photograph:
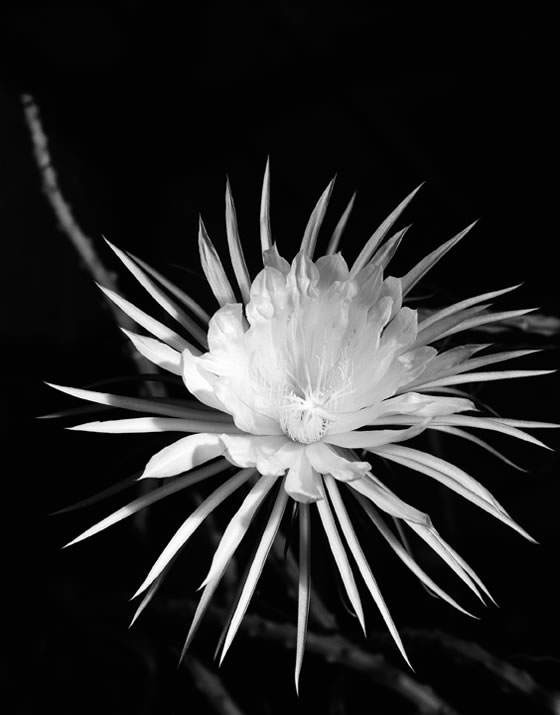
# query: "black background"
147,107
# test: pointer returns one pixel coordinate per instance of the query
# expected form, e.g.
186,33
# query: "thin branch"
211,686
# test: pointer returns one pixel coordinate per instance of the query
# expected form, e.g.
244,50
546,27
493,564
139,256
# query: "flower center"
301,419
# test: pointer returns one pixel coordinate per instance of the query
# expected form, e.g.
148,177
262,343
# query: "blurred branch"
70,227
85,249
333,648
288,567
211,686
512,677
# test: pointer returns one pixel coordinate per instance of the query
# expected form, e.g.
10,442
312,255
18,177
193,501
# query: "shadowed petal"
325,461
266,237
247,450
302,482
341,559
361,561
150,324
136,404
139,425
237,528
157,352
304,586
146,499
235,248
374,438
160,297
421,268
404,555
213,268
379,234
189,526
256,568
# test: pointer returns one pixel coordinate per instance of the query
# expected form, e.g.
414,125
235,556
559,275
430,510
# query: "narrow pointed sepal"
304,586
235,248
266,235
213,268
315,222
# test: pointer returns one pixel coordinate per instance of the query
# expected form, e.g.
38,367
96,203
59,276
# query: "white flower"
316,361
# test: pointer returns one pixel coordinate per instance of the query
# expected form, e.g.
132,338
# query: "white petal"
315,221
339,228
302,482
341,559
235,248
361,561
160,297
189,526
304,585
404,555
272,259
135,404
385,499
255,569
141,425
248,450
421,268
410,403
183,455
453,478
237,527
379,234
374,438
172,288
213,268
332,268
157,352
384,255
152,497
325,461
245,417
266,238
485,319
481,443
481,377
451,558
200,382
462,305
150,324
490,423
303,276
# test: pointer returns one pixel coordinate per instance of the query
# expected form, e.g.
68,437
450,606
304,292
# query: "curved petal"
257,451
325,461
199,381
244,416
332,268
302,482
